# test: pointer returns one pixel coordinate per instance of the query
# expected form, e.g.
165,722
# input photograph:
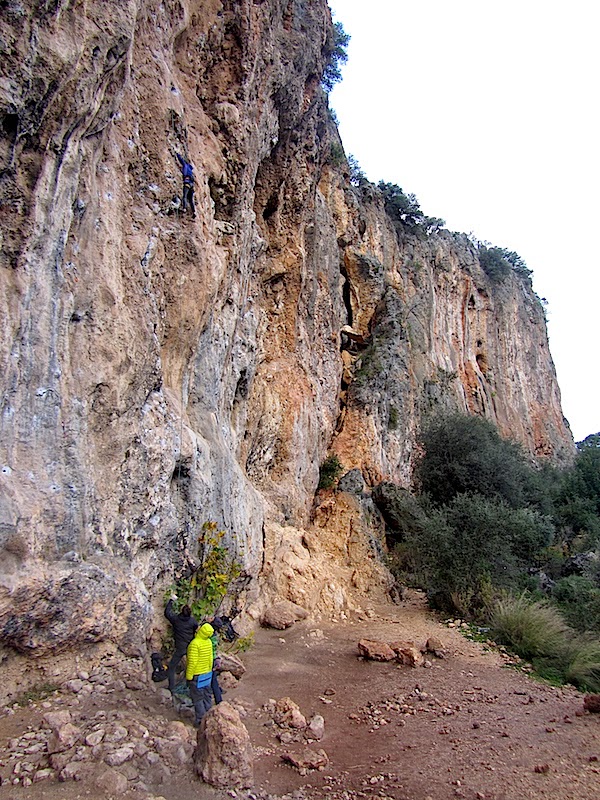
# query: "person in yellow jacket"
198,671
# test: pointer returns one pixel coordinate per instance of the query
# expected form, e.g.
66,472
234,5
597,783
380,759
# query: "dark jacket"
184,628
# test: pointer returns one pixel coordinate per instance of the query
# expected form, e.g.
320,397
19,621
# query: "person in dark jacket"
187,172
184,630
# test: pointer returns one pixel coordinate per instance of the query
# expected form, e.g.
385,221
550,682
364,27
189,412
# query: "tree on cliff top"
336,55
498,262
405,208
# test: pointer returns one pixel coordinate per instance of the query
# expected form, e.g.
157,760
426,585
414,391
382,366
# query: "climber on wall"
187,172
184,629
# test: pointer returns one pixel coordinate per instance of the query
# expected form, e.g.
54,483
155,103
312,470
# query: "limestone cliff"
159,371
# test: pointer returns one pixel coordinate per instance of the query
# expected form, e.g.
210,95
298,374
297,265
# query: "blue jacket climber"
187,172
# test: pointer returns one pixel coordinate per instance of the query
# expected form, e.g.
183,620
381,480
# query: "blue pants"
215,688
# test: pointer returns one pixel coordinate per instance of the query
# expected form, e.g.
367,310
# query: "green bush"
405,209
357,176
467,454
337,155
539,633
393,417
36,694
578,502
578,598
582,667
473,541
330,471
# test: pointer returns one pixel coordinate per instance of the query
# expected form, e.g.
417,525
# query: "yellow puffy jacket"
200,652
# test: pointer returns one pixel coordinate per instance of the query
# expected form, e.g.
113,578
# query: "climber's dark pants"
188,197
172,668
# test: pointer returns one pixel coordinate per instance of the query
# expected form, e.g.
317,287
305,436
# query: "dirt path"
467,726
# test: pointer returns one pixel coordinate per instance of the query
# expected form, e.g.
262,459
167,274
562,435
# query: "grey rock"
352,482
120,756
316,727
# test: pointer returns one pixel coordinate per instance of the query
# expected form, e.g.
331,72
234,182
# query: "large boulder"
224,756
232,664
282,615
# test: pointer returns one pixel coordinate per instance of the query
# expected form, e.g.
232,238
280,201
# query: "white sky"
488,111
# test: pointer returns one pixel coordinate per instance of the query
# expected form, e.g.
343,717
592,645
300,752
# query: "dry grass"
537,632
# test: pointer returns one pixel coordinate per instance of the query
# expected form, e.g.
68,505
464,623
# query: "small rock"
75,685
591,703
177,730
307,760
408,654
72,772
119,756
92,739
316,727
56,719
232,664
117,734
63,738
42,775
227,680
287,712
140,749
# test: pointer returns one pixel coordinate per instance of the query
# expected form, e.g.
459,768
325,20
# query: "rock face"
159,371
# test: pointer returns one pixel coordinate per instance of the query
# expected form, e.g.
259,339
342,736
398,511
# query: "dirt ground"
467,726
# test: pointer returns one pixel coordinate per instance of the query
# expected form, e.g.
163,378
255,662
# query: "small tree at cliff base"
207,586
471,544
